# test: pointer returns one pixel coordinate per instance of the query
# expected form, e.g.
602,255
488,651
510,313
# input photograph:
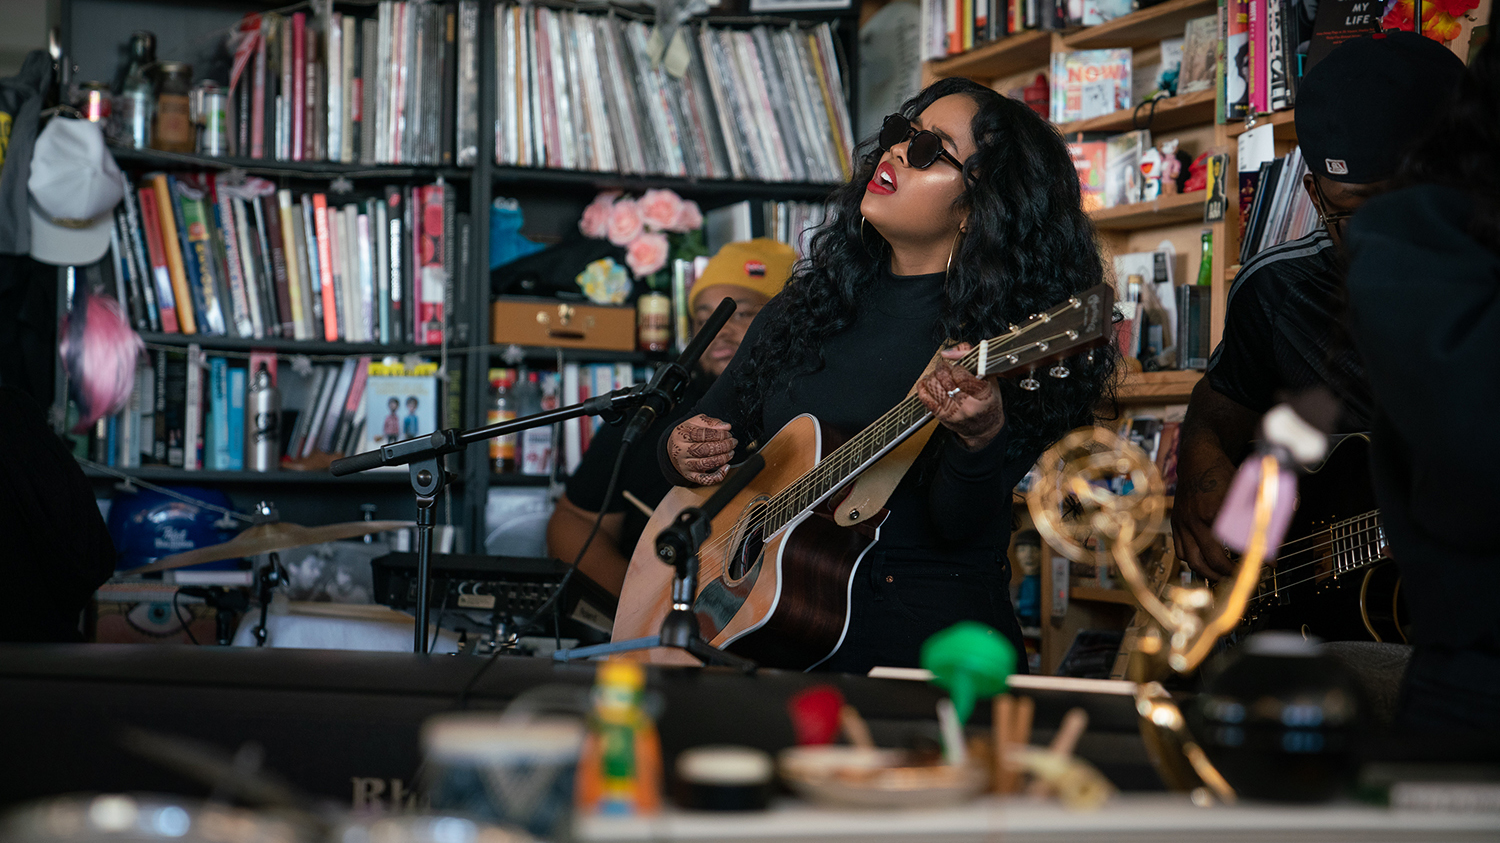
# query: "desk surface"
1129,818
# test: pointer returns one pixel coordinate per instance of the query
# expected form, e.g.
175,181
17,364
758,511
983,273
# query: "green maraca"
970,661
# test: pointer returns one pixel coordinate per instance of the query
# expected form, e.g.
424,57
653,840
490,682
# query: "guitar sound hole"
746,554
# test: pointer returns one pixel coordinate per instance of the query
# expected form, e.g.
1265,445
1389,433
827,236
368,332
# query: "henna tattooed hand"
967,405
701,448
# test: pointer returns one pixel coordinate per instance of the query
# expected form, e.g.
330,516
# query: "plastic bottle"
619,769
502,409
536,443
1206,261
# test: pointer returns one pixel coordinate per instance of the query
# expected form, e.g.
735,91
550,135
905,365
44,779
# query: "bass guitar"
775,574
1331,577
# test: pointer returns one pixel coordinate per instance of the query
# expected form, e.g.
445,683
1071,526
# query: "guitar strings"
1311,536
1297,583
1269,591
836,469
1328,541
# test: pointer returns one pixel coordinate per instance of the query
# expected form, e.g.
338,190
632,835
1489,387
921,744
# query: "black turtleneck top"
941,554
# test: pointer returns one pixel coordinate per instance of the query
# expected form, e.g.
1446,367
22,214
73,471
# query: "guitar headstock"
1078,324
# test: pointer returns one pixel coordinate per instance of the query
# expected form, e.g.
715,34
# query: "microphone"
661,394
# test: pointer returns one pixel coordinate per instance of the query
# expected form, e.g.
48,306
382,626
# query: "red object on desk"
815,714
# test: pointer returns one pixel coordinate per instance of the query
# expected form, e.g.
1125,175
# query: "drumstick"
1002,713
855,728
1063,743
637,503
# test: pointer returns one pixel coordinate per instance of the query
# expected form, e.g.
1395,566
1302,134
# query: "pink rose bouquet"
654,230
624,222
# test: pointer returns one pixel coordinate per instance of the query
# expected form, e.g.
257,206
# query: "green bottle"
1206,263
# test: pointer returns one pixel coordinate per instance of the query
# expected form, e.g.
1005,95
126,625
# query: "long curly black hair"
1029,245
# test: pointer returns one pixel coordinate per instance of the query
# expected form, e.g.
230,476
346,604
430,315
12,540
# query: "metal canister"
211,116
172,128
93,101
263,432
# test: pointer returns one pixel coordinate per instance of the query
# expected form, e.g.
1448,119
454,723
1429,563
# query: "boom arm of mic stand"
665,389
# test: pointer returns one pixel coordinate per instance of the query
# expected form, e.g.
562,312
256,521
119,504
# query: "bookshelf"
1158,387
1171,113
552,199
1147,26
1163,210
1006,57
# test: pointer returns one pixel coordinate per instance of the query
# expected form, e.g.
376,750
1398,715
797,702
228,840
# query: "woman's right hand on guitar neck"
701,448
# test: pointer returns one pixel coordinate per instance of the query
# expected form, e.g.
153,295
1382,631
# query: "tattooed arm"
1214,437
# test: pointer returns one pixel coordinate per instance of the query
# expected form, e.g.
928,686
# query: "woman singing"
964,219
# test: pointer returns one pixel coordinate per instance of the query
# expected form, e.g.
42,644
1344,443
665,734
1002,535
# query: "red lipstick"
884,182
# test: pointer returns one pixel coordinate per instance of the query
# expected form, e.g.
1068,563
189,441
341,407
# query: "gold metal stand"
1073,509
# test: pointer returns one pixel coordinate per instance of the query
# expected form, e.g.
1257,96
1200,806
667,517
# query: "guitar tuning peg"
1091,356
1059,371
1030,383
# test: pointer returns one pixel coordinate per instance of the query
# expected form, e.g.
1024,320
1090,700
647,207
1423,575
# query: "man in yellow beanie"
751,273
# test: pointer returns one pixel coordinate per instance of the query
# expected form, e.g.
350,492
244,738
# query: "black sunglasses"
925,147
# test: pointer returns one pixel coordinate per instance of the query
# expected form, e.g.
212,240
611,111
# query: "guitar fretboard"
1077,323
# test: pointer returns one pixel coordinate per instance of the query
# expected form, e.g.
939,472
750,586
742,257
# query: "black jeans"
900,600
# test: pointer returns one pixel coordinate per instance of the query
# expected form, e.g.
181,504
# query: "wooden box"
549,322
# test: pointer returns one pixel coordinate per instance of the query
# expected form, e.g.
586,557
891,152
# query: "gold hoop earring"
951,249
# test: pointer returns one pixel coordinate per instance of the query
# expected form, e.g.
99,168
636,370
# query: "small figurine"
1029,592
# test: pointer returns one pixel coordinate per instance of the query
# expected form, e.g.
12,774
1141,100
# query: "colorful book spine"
234,445
325,268
198,258
283,257
299,85
239,300
166,229
192,422
432,278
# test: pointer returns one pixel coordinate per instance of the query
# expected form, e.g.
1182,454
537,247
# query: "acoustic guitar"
1331,577
776,573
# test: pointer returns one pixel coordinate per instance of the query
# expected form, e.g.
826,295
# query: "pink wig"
99,351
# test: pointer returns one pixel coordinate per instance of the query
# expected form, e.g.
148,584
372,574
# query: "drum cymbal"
264,538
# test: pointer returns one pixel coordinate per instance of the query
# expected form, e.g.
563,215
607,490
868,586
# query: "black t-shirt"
1281,332
940,557
639,475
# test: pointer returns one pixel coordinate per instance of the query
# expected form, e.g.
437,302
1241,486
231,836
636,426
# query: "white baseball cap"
74,185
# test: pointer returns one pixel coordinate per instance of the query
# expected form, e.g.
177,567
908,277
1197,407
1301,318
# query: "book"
1089,161
165,229
217,435
1338,21
399,402
1090,83
1122,167
1199,43
198,264
192,418
1237,60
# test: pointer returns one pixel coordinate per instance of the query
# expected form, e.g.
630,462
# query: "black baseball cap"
1370,100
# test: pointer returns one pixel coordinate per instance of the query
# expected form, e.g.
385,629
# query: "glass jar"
211,118
653,314
137,103
172,128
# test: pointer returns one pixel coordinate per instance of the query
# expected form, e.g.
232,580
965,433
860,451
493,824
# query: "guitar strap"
873,487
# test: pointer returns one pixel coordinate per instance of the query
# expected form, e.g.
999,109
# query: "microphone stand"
677,545
424,454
